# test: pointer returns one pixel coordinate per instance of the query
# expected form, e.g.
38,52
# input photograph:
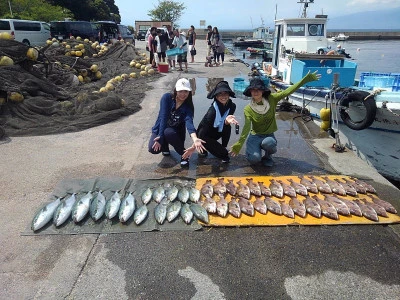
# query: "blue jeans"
258,142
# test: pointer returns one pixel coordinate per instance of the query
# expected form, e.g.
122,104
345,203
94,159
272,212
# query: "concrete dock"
294,262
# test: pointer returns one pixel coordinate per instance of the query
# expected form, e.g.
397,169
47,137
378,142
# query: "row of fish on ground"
331,205
97,206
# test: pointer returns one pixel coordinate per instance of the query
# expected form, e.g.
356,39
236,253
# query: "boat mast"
305,2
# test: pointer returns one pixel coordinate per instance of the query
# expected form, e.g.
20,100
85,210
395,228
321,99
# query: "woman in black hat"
260,122
216,123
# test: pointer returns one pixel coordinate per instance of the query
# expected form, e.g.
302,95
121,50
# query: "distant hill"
372,20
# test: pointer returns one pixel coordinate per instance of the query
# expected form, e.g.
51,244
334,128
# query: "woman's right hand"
156,146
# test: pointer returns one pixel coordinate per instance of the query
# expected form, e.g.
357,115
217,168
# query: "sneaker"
226,160
203,154
222,63
166,153
267,161
184,163
172,68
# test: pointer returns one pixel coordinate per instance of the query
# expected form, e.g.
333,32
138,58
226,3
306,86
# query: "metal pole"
9,4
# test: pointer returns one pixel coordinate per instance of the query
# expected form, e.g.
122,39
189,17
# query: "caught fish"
339,205
286,209
273,206
231,187
207,189
183,194
327,208
288,190
173,210
210,205
243,190
140,214
234,208
276,188
147,195
199,212
350,190
172,193
388,207
127,208
335,186
112,205
159,194
98,206
160,211
260,206
265,191
312,207
359,188
323,187
298,187
310,186
81,207
254,187
380,210
63,210
367,211
355,210
298,207
246,207
220,187
194,195
45,215
368,187
186,213
222,207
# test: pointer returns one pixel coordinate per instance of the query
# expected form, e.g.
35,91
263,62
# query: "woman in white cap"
175,116
260,121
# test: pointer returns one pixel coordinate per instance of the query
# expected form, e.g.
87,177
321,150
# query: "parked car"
31,33
141,35
126,34
107,31
62,30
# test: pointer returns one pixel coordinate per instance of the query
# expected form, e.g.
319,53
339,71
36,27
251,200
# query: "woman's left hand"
198,144
188,152
230,119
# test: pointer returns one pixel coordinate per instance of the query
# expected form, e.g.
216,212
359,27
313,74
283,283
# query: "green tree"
167,11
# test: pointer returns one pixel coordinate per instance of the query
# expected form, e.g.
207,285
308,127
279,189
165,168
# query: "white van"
31,33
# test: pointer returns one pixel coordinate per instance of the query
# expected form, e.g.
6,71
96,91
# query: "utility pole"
9,4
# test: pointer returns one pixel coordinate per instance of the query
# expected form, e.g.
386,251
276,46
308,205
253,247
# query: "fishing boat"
341,37
369,107
261,38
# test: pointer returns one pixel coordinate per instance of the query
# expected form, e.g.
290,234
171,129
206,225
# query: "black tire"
26,42
370,108
321,51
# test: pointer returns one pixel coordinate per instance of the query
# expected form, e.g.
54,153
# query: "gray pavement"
305,262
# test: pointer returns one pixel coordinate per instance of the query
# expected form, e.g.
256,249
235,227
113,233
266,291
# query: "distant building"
144,25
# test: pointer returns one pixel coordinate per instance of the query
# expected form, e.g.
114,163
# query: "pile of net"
69,86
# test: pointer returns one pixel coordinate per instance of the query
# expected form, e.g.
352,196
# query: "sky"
247,14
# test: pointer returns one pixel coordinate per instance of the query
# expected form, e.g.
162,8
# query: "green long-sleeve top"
255,123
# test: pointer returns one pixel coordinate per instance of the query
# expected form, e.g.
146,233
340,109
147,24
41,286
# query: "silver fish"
288,190
127,208
140,214
298,187
327,208
81,207
98,206
310,186
276,189
323,187
199,212
45,214
353,207
231,187
380,210
234,208
147,195
246,207
298,207
220,187
173,210
159,194
222,207
183,194
63,210
312,207
273,206
186,213
172,193
350,190
264,189
160,211
367,211
112,205
207,189
260,206
286,209
210,205
340,206
388,207
194,195
368,187
243,190
254,187
335,186
359,188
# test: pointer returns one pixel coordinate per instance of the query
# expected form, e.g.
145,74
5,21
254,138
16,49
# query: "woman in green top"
260,120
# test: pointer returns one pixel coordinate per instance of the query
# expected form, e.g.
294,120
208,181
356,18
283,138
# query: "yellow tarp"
271,219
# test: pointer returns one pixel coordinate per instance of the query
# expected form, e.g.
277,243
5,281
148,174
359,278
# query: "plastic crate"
380,80
174,51
239,84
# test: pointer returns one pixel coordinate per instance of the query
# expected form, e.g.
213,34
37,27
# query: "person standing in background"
214,41
150,44
208,39
220,52
192,41
180,42
171,59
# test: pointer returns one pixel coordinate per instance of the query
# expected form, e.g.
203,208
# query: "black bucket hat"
256,83
222,86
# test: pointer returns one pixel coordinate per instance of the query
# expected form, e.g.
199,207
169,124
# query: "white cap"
339,46
183,85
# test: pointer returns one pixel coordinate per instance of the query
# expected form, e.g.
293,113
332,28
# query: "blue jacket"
167,107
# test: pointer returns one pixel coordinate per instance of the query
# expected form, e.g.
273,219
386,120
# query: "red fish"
298,187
